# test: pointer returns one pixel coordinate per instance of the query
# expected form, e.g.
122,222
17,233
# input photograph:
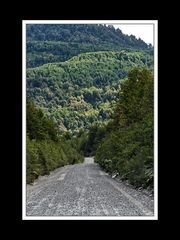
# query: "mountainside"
90,92
81,91
59,42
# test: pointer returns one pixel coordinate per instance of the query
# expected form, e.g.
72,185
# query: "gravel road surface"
85,190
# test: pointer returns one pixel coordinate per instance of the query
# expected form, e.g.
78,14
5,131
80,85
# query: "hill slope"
81,91
59,42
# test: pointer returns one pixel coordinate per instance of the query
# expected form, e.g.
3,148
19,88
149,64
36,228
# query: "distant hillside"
59,42
81,91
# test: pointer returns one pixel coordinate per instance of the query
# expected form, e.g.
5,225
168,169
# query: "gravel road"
85,190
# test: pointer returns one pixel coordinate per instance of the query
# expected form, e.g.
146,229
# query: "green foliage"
47,155
33,166
127,147
38,126
95,134
45,150
75,75
80,92
55,43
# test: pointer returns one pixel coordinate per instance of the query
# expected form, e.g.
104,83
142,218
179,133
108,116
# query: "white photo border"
155,45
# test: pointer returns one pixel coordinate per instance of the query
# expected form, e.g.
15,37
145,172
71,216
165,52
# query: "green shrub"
128,147
44,150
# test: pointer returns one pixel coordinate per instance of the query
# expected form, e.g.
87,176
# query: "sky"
145,32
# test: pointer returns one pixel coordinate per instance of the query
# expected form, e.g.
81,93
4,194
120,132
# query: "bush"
128,147
45,151
33,167
45,156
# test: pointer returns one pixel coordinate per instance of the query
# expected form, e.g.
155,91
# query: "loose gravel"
85,190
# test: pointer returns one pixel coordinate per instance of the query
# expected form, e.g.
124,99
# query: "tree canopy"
47,43
127,147
82,90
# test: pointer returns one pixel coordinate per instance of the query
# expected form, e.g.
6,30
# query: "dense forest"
90,92
124,146
45,149
81,91
127,149
59,42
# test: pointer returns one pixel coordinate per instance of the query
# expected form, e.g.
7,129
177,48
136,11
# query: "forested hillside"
90,92
59,42
81,91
